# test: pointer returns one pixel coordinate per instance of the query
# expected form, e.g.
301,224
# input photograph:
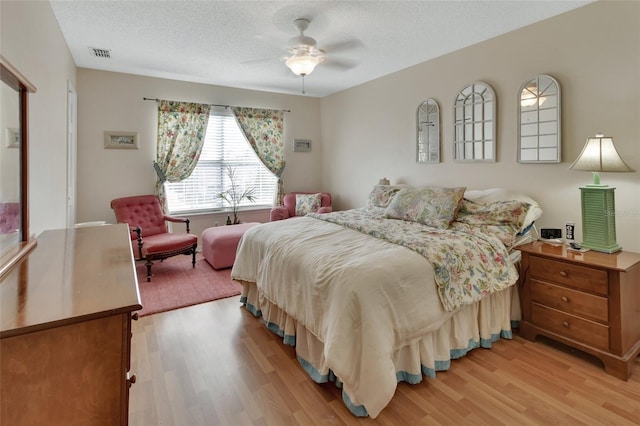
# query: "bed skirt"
473,326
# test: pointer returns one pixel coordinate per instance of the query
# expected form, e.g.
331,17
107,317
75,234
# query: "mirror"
428,130
9,168
475,124
14,215
539,121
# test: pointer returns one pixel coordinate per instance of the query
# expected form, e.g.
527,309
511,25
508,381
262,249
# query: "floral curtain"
263,130
181,130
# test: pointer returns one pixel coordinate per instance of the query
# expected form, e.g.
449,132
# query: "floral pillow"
502,219
307,203
490,195
495,213
381,195
431,206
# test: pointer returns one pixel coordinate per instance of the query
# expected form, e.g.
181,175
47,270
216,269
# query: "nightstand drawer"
570,301
592,333
574,276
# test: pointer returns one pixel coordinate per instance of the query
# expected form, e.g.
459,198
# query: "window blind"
224,146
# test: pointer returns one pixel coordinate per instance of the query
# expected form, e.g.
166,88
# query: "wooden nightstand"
589,301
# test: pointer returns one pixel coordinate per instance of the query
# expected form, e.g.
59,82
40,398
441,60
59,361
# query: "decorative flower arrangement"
236,193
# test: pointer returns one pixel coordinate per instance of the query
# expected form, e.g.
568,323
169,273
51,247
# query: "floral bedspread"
468,265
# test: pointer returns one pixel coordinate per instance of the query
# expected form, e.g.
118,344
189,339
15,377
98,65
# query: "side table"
587,300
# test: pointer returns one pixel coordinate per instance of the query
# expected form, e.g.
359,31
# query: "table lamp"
598,202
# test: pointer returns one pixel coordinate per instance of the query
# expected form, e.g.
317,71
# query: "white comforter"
364,298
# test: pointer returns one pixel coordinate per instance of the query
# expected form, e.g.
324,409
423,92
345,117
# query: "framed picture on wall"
302,145
121,140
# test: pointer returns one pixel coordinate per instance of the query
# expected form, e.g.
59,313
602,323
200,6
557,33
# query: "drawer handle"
134,316
564,299
565,324
563,273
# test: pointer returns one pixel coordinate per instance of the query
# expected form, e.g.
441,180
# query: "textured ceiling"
241,43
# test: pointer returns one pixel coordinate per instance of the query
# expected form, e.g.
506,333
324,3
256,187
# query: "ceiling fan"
305,55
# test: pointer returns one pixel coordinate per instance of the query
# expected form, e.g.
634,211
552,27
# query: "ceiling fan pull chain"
303,92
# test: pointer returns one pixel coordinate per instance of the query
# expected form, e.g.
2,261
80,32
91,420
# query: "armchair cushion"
288,209
167,243
142,211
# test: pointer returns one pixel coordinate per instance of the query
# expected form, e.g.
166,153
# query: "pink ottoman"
219,244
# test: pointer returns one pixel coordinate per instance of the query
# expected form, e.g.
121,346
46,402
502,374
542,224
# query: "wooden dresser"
65,333
589,301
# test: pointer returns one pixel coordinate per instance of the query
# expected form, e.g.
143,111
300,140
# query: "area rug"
176,284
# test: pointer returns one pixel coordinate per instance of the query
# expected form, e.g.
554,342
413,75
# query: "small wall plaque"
302,145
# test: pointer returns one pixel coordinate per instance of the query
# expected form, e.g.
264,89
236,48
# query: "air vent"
100,53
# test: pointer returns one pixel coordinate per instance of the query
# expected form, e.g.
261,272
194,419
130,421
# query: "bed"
392,291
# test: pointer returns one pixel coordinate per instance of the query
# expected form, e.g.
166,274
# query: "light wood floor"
215,364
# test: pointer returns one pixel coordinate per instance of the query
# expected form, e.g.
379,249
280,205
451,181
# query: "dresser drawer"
570,301
592,333
571,275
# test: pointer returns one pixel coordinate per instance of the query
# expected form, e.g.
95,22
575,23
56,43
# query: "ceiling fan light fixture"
303,64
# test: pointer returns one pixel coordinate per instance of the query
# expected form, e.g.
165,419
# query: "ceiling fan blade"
339,64
342,46
271,41
260,61
272,59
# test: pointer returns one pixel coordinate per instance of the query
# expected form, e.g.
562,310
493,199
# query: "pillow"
307,203
381,195
502,219
431,206
502,194
495,213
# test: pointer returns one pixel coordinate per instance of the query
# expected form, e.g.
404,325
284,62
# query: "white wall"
114,102
594,53
31,40
359,135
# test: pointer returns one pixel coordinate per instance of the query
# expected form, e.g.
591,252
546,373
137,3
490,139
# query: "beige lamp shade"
600,155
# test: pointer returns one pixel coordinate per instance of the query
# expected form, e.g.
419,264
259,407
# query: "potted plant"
236,193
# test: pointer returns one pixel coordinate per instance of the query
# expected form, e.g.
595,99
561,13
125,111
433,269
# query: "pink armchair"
148,226
289,208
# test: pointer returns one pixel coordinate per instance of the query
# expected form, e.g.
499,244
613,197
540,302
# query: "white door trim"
72,153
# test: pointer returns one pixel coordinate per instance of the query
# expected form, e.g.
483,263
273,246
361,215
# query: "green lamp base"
599,219
609,250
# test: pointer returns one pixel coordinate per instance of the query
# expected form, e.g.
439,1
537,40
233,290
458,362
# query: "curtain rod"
218,105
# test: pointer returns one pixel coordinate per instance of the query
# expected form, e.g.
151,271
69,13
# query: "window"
224,146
